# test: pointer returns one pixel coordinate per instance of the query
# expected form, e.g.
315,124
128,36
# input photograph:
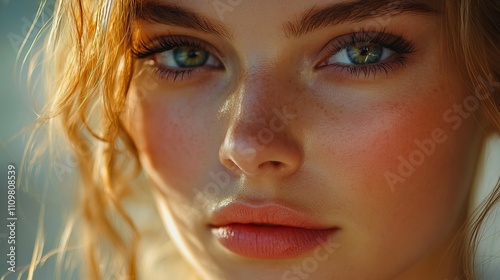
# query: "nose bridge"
254,100
261,89
258,104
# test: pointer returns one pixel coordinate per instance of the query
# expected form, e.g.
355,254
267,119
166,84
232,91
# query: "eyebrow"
168,14
360,10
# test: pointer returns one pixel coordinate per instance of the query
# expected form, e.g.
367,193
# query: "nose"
259,140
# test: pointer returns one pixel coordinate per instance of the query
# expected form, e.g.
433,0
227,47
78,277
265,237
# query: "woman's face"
323,139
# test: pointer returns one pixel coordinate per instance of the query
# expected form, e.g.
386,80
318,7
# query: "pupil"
192,53
364,51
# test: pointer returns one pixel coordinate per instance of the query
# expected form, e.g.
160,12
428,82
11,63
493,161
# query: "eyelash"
400,46
158,45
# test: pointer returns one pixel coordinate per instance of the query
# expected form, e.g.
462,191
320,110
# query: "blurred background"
43,197
43,193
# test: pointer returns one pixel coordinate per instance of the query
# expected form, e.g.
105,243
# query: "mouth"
271,231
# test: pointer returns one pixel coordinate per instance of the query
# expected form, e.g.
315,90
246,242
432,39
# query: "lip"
270,231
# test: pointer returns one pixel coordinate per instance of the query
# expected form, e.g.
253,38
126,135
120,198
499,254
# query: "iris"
188,57
365,53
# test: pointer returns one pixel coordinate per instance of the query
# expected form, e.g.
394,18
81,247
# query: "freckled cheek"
429,177
389,139
371,141
173,146
368,141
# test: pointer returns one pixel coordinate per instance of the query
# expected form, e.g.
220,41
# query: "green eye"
190,57
361,54
365,53
186,57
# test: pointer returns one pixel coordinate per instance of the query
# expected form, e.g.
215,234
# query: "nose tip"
244,152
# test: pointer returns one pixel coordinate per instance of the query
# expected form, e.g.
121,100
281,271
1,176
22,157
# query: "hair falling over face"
90,61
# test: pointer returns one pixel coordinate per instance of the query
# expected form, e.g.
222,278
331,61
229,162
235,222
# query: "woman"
324,139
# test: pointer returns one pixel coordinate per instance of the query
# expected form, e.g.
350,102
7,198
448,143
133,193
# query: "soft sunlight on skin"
346,130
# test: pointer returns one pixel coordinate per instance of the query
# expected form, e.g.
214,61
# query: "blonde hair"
89,65
473,32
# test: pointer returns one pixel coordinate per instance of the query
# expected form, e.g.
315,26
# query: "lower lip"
270,242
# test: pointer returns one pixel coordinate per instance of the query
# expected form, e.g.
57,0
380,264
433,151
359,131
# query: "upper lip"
264,214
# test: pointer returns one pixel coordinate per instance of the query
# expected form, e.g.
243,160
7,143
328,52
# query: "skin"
329,160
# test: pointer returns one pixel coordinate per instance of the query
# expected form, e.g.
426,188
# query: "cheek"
367,139
172,142
397,143
400,167
409,156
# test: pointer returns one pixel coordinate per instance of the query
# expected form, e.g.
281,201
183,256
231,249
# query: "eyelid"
152,45
159,44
